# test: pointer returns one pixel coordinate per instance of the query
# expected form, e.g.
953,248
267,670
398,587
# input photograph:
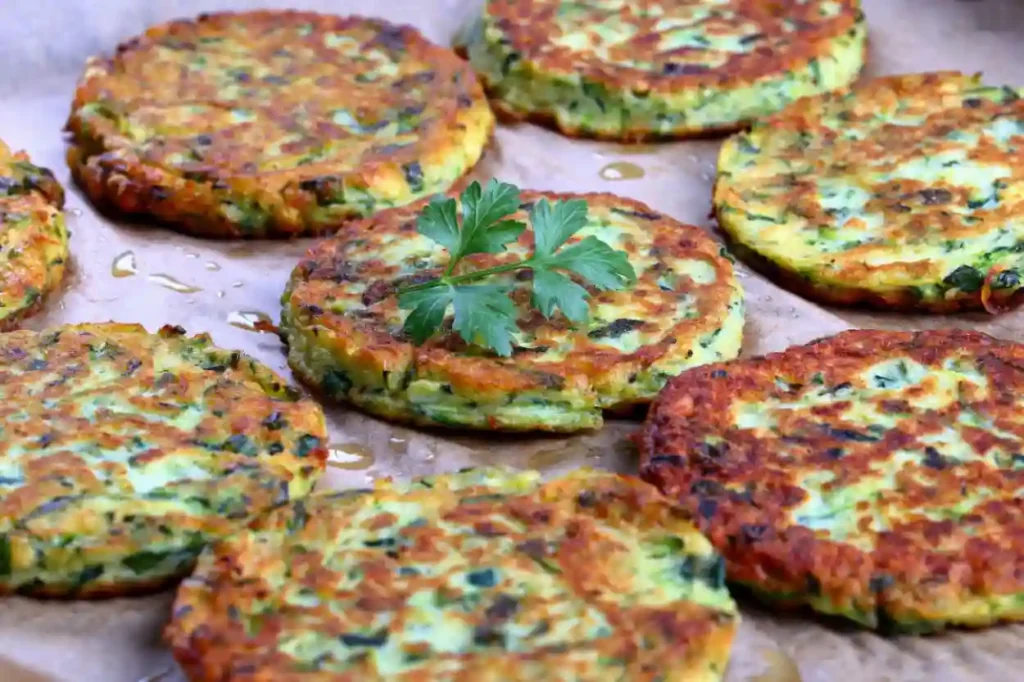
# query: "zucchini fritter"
636,69
33,236
274,123
877,476
904,193
122,453
483,575
343,325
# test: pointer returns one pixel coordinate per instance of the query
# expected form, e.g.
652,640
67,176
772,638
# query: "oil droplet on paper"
124,265
543,459
213,267
399,446
75,212
621,170
191,255
168,282
248,320
350,456
779,667
237,285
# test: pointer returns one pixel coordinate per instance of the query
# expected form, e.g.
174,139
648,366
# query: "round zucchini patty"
904,193
274,123
878,476
33,236
483,575
343,325
629,70
122,453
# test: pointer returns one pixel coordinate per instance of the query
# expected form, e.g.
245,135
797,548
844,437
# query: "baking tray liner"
136,273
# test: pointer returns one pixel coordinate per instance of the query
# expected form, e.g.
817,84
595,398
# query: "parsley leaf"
554,224
439,223
550,289
595,261
484,314
483,230
428,306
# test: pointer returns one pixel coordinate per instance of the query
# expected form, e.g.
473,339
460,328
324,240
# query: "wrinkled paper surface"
216,287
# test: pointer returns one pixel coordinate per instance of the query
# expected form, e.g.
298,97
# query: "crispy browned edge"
63,593
14,320
132,198
192,649
901,299
508,115
790,551
67,592
632,408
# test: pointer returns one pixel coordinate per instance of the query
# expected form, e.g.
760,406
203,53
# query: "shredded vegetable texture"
484,313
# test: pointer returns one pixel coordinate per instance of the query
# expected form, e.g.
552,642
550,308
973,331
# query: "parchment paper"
217,286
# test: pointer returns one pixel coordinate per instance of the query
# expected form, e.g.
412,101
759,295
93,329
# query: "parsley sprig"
485,315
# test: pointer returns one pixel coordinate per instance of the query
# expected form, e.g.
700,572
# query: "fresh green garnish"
485,316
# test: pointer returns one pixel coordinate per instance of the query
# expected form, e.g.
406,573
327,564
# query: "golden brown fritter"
874,475
33,236
122,453
636,69
273,123
342,322
479,576
903,193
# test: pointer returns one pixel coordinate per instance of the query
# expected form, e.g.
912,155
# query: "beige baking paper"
142,274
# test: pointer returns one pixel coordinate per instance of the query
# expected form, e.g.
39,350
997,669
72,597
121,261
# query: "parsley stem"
467,277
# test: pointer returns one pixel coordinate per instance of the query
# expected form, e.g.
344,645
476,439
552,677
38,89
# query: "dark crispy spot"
673,69
932,197
274,422
933,459
377,292
880,582
616,328
391,38
487,635
413,175
587,499
380,542
753,532
643,215
670,460
378,639
503,608
972,102
850,435
812,584
706,486
834,453
707,508
414,79
535,549
710,451
519,350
